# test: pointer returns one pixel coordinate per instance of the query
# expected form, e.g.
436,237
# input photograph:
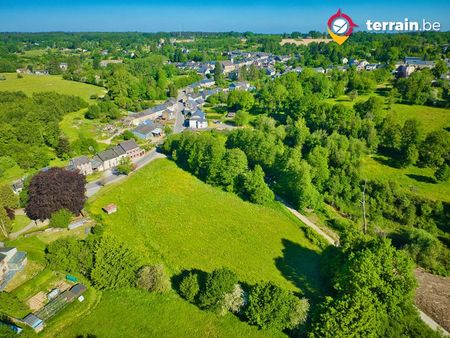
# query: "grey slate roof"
78,161
128,145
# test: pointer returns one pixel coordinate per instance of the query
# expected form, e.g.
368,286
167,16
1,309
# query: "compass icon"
340,26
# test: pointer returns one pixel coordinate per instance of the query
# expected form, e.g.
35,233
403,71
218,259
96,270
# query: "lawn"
20,222
430,118
30,84
169,216
135,313
74,125
419,181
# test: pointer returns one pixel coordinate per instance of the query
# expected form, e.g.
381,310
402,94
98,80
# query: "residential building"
155,112
17,186
147,131
11,262
198,120
405,70
63,66
227,66
82,164
243,85
131,148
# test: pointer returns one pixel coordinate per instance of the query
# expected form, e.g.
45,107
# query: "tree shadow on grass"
302,267
387,161
421,178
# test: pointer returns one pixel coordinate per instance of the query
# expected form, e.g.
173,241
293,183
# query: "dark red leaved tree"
54,189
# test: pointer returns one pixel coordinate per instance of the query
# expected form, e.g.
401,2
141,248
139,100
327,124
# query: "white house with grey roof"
198,120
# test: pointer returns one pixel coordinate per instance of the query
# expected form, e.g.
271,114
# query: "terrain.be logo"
340,27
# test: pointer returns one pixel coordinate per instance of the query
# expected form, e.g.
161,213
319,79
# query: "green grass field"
168,215
419,181
136,313
30,84
74,125
20,222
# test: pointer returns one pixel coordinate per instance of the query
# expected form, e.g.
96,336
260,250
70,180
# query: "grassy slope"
417,180
153,315
170,216
34,83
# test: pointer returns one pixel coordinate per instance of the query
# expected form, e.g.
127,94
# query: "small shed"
34,322
78,289
110,208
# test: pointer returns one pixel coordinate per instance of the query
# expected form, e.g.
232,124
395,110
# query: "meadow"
30,84
170,216
155,315
419,181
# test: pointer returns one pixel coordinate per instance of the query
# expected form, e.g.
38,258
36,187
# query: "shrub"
234,301
218,284
153,278
125,166
189,287
60,218
269,306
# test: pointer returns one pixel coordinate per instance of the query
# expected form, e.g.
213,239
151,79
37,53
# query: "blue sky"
257,16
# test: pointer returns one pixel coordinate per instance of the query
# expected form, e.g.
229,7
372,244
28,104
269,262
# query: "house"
131,148
105,63
63,66
155,112
320,70
17,186
168,115
206,83
243,85
34,322
148,131
11,262
198,120
227,66
361,65
405,70
82,164
270,71
107,159
110,208
344,60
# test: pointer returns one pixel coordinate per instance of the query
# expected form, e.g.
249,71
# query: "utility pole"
363,202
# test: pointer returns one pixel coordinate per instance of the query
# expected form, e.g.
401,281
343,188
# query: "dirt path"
310,224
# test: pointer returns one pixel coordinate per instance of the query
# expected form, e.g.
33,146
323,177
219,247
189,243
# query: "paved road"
178,127
94,186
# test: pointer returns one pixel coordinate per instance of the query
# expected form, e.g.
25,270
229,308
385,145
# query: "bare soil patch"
433,297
